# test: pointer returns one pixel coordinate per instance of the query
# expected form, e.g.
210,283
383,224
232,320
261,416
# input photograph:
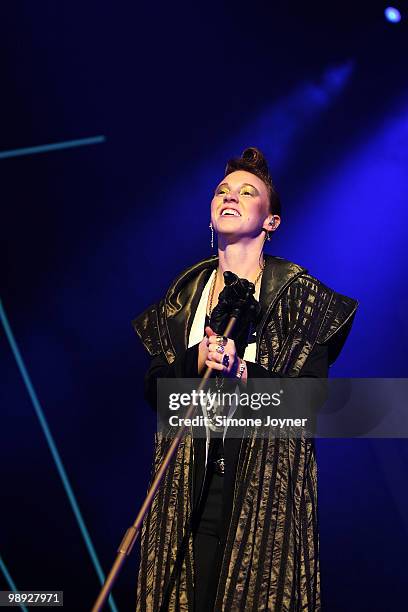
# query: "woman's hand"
222,356
209,356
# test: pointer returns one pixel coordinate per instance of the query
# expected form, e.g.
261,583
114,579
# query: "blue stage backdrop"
117,121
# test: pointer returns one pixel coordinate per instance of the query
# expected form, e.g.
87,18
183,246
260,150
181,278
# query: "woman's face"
240,206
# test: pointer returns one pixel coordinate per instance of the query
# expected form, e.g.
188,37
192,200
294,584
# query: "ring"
220,348
221,340
225,360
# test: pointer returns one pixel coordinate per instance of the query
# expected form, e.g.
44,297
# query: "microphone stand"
132,533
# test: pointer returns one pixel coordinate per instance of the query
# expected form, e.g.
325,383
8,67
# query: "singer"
233,526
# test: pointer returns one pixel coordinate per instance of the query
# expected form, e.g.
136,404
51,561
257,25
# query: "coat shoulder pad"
338,314
146,325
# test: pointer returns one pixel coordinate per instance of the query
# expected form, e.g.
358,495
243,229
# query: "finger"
209,332
212,344
212,351
230,342
214,356
214,365
213,339
229,350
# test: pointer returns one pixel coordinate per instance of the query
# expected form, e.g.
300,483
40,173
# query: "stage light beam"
392,14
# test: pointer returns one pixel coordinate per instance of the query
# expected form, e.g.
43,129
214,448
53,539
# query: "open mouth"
230,212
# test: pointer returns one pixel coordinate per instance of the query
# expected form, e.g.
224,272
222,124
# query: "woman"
234,524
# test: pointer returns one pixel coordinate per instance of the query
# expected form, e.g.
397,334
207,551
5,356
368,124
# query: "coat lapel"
278,274
182,299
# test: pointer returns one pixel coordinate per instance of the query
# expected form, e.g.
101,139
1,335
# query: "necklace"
213,287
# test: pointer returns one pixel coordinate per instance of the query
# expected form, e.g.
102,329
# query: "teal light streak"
54,452
67,144
10,581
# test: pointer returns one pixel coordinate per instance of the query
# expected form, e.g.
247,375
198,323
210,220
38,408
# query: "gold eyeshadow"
246,186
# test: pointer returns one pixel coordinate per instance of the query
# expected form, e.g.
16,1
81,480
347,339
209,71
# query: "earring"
268,235
212,235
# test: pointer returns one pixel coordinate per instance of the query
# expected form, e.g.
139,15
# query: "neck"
245,259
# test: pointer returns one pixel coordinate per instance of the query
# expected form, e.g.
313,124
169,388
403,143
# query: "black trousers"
208,550
207,555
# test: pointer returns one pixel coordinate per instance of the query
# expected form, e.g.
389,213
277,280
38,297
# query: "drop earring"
268,236
212,235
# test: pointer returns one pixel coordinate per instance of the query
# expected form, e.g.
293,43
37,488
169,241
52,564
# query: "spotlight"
392,14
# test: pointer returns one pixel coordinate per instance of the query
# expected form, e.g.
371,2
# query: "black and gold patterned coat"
271,554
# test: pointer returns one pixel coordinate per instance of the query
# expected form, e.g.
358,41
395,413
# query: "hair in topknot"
253,160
